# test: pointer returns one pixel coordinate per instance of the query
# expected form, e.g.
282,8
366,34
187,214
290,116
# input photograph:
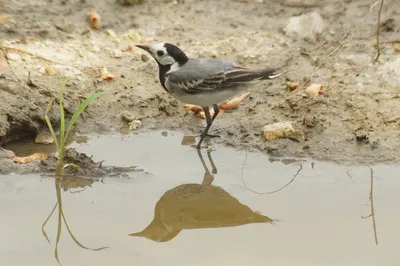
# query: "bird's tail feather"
270,73
247,75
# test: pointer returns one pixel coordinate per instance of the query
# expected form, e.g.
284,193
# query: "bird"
193,206
203,81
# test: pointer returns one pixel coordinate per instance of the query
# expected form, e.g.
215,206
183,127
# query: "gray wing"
199,75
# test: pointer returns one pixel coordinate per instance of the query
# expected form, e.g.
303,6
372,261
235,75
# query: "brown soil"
356,119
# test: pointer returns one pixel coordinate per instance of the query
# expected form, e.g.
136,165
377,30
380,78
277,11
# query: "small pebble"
127,116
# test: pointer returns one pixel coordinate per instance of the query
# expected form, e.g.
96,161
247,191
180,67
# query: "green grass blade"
62,117
45,222
49,106
73,165
81,108
76,240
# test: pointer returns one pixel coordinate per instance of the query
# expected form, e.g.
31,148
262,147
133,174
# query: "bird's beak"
144,47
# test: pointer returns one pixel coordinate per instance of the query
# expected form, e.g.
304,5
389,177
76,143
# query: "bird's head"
165,53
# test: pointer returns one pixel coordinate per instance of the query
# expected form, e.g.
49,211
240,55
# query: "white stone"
281,130
307,26
117,53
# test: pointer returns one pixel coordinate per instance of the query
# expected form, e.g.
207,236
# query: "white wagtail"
202,81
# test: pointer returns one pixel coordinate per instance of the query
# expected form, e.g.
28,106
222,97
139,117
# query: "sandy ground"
355,120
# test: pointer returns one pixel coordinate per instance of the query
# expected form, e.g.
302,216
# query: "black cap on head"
176,53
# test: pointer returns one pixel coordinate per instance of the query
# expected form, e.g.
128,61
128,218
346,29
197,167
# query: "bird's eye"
160,53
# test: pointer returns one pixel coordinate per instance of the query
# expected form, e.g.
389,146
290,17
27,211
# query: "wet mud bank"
353,120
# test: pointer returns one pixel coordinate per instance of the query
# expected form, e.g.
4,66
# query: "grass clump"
65,130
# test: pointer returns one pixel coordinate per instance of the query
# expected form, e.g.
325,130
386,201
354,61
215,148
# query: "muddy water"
241,209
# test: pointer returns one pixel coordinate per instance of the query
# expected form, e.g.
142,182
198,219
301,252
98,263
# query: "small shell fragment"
397,47
30,158
106,75
234,102
314,89
94,18
134,124
127,116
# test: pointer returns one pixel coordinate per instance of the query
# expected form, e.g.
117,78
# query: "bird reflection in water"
195,206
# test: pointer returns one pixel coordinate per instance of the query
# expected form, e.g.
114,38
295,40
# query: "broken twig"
269,192
14,49
390,41
378,48
371,199
323,61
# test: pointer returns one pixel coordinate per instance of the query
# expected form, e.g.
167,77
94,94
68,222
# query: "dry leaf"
128,48
194,108
30,158
94,18
314,89
397,47
106,75
234,102
292,85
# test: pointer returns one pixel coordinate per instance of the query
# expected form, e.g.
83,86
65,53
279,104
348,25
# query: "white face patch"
159,52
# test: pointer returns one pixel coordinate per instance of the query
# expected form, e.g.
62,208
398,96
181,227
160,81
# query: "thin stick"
390,41
378,48
371,199
318,47
371,195
348,174
323,61
270,192
372,7
26,52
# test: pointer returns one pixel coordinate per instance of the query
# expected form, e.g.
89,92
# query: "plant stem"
60,162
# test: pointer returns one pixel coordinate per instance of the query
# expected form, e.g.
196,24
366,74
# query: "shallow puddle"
247,209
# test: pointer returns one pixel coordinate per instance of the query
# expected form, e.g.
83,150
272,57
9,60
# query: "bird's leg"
209,122
214,168
216,112
208,177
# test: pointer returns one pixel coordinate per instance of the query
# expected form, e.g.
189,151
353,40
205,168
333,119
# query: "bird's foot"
210,135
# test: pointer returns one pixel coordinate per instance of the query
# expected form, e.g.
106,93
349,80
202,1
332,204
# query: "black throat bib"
163,69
